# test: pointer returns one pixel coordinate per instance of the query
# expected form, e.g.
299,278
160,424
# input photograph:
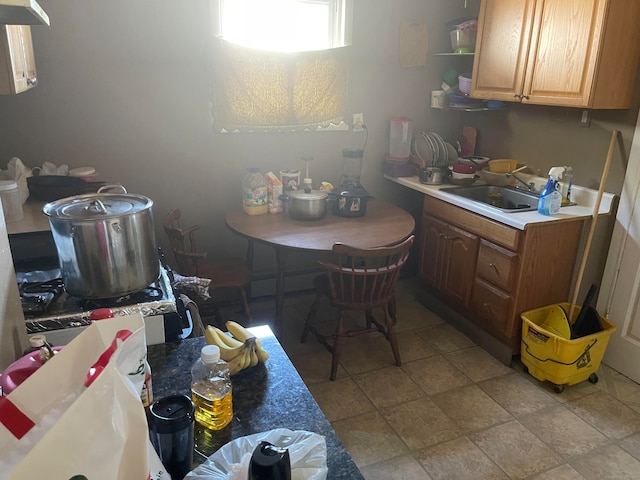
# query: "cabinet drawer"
490,306
497,265
499,233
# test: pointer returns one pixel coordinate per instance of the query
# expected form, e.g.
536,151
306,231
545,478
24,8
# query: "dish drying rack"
430,150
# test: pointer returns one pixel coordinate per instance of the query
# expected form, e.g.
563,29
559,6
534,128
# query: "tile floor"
452,411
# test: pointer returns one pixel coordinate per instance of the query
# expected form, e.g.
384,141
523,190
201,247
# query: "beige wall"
124,86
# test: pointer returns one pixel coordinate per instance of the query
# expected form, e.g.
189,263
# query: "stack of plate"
432,150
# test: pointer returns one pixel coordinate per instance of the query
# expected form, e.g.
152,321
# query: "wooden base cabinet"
491,272
17,62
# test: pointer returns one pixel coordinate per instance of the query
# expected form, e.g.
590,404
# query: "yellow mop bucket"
548,356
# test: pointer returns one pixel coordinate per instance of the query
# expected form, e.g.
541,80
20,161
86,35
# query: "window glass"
285,25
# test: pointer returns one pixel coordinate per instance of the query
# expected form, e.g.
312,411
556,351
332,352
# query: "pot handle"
96,206
105,188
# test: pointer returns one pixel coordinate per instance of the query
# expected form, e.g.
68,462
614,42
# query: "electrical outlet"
358,122
585,119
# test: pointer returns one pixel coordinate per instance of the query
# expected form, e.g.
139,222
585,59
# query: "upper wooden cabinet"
17,63
572,53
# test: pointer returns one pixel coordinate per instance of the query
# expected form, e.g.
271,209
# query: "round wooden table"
384,224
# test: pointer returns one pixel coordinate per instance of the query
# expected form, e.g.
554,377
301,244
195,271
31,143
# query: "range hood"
22,12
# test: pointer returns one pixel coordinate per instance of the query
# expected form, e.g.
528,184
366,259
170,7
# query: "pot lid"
97,207
313,195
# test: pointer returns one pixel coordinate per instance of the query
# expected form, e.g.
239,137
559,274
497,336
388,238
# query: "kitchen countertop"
268,396
584,197
33,221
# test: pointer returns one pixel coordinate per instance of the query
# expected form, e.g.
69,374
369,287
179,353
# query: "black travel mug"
171,432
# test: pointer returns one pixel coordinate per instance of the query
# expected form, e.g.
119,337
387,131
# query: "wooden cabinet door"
460,264
432,249
448,258
502,46
17,63
563,54
30,73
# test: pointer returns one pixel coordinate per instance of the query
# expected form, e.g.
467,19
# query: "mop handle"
585,255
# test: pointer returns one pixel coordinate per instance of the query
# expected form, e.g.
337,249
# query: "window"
285,25
280,65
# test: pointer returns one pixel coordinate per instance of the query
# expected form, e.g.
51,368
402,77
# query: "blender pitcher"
400,138
351,167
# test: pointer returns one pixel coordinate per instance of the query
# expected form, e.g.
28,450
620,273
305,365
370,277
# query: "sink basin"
506,199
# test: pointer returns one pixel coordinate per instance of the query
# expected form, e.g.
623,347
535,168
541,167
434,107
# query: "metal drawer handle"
493,265
487,307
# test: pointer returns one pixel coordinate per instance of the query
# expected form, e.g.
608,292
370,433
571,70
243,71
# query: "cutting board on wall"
413,44
471,134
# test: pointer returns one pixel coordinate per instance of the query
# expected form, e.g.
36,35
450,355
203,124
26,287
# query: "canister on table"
290,179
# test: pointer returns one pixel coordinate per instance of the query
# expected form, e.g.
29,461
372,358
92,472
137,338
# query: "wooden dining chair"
232,273
359,280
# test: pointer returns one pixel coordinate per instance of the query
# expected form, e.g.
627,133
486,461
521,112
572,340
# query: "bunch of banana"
240,351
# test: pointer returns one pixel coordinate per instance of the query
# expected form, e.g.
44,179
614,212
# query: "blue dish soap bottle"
550,197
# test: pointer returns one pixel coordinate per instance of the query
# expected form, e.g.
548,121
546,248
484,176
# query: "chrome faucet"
531,186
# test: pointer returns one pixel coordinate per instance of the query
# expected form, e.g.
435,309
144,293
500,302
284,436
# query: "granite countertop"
584,197
268,396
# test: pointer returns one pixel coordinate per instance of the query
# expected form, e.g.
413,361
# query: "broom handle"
585,254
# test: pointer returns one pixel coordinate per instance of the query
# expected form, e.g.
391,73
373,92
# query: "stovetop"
46,306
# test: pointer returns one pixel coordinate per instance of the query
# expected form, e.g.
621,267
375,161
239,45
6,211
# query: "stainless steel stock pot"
106,243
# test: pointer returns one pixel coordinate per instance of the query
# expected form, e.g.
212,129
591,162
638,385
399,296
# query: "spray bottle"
550,197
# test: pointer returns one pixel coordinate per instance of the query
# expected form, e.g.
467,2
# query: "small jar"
11,201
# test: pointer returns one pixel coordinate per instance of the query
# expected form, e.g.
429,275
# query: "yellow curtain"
256,90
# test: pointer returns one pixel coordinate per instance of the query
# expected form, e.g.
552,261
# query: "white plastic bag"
49,168
53,426
307,453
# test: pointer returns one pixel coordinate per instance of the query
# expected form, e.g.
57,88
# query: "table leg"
281,260
249,260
